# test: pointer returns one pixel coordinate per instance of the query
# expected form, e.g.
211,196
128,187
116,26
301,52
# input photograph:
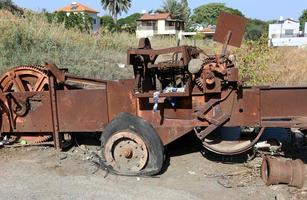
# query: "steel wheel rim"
125,151
223,147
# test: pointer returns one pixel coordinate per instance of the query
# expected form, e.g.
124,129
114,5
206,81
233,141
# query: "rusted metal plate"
229,22
279,103
170,134
82,110
38,118
245,109
120,98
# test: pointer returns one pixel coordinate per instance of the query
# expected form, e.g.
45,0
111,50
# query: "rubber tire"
143,129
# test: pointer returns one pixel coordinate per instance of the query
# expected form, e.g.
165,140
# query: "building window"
289,32
94,21
147,23
171,23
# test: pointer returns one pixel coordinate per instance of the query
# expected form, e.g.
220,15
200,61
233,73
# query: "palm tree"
177,9
115,7
173,7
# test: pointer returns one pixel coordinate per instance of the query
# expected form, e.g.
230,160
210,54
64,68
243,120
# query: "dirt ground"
40,172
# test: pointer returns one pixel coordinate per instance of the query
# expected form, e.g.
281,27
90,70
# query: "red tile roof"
155,16
78,8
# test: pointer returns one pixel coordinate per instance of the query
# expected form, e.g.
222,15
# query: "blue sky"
261,9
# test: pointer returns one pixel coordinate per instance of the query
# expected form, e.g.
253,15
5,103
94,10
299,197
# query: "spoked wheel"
231,141
25,79
131,146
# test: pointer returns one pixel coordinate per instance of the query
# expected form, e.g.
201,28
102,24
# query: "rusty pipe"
291,172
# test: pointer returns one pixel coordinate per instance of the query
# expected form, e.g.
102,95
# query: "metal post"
54,111
227,39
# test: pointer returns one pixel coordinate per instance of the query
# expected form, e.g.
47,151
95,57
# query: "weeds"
32,40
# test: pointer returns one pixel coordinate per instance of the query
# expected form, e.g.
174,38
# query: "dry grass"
290,66
32,40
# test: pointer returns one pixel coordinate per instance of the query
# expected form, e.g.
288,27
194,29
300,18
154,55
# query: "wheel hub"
126,152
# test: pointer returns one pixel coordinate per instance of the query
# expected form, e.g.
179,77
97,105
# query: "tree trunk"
115,18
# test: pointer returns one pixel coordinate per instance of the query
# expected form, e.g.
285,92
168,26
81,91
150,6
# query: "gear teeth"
36,139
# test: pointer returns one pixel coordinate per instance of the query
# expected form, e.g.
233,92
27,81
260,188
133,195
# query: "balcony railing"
286,35
146,28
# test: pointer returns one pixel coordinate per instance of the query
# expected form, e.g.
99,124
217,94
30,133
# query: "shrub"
253,60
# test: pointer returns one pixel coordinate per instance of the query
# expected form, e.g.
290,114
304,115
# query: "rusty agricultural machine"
191,91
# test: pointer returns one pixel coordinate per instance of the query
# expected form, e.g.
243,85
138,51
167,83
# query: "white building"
287,33
76,7
158,24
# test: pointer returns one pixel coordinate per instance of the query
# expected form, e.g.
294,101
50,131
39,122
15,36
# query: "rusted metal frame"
278,122
56,72
227,39
218,120
7,109
54,111
153,53
283,106
166,65
70,77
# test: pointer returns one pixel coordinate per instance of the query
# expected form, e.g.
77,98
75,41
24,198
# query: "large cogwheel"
26,78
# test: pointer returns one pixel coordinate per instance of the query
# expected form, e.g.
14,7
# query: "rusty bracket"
221,120
56,72
201,111
7,109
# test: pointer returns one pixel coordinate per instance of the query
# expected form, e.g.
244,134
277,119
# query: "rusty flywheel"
26,78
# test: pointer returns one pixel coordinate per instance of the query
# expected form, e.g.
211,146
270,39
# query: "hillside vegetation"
32,40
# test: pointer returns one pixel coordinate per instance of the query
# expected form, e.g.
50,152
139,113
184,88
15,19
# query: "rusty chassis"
187,91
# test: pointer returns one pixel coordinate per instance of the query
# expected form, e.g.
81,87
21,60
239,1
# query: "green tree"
107,23
178,10
185,11
207,14
129,23
173,7
83,22
255,29
115,7
303,19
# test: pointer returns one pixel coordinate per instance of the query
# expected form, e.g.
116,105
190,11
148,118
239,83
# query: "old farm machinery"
190,91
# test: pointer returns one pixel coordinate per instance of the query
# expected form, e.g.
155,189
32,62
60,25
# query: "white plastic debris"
191,172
